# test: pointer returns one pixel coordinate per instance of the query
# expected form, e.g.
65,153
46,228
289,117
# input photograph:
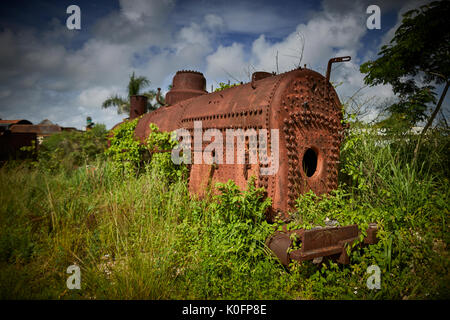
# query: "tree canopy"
415,61
135,86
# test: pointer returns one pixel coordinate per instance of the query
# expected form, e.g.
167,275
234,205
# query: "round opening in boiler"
310,162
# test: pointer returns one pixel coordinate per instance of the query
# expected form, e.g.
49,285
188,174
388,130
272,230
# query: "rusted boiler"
305,109
301,104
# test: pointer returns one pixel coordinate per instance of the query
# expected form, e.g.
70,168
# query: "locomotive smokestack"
138,106
186,85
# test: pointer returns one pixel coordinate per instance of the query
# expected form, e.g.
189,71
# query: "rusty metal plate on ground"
318,242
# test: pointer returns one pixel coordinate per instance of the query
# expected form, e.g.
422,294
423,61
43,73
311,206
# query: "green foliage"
223,242
136,84
413,108
130,156
134,87
160,144
410,207
419,50
223,86
92,218
122,104
70,149
29,152
125,151
137,238
236,225
143,236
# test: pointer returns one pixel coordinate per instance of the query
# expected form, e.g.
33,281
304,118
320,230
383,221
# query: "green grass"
143,237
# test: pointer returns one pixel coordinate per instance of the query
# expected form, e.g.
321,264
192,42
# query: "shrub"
131,156
410,206
222,252
70,149
223,86
125,151
143,236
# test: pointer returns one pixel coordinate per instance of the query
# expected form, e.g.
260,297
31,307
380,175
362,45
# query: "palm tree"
135,85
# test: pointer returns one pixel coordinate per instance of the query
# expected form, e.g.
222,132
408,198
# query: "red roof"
21,121
38,129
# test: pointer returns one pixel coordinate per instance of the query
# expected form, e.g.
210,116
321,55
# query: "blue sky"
64,75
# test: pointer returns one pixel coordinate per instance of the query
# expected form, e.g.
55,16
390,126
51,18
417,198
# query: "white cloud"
214,22
324,36
139,10
192,35
94,97
43,76
329,33
49,80
226,61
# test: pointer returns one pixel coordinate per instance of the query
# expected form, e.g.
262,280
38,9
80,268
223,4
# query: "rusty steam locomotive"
305,109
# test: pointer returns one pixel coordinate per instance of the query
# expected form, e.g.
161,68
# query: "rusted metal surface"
305,109
259,75
8,124
158,97
138,106
38,129
12,122
318,242
185,85
334,60
11,144
24,130
371,237
301,104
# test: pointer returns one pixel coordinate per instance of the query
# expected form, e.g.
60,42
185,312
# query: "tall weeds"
142,236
